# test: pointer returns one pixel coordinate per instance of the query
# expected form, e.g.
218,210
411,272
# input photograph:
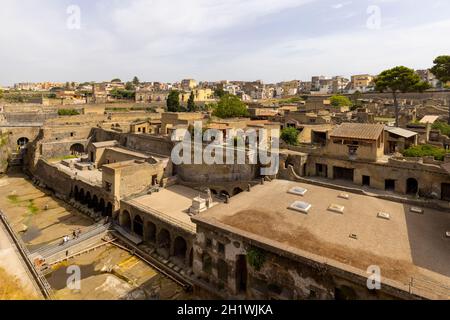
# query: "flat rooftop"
171,204
93,177
408,245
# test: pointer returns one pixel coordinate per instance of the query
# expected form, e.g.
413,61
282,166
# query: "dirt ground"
107,273
110,274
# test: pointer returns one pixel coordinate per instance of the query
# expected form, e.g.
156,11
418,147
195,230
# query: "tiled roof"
358,131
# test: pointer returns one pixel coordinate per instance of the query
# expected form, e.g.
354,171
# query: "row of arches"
93,202
168,246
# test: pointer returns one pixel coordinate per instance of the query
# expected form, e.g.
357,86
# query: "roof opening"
298,191
336,208
384,215
345,196
416,210
300,206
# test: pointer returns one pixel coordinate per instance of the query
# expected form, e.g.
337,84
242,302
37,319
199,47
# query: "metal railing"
165,217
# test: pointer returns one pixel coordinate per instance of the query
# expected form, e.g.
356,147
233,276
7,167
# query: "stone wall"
5,150
429,177
221,259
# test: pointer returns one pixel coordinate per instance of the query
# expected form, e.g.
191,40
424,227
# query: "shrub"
256,258
425,151
340,101
443,127
68,112
290,136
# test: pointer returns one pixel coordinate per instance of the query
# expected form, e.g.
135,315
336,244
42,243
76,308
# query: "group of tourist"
75,235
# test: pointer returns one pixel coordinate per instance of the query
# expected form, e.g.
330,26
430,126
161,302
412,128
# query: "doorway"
389,185
366,181
241,274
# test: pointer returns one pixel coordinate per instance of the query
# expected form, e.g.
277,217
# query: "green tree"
399,79
356,96
441,70
129,86
230,106
290,136
136,81
219,92
122,94
1,94
173,101
340,101
116,80
191,106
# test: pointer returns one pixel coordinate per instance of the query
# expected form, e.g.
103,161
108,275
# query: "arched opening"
77,149
76,193
22,142
138,226
125,220
95,203
412,186
151,232
109,209
102,207
82,197
180,248
164,242
237,191
214,191
222,271
89,199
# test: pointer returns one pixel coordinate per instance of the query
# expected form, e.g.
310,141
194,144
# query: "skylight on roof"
300,206
336,208
384,215
298,191
344,196
416,210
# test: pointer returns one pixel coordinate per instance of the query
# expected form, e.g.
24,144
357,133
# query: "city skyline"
217,40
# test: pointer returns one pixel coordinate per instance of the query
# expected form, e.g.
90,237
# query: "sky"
211,40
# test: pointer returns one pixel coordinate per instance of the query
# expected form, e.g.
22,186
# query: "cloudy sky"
167,40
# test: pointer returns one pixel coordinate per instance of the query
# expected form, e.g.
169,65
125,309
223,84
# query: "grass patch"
13,198
68,112
32,208
63,158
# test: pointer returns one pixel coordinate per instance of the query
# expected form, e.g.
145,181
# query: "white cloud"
169,40
341,5
346,53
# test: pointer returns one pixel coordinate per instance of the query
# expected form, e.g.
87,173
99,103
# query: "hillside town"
230,189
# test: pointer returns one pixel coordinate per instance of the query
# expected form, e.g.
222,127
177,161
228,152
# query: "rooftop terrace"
408,245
